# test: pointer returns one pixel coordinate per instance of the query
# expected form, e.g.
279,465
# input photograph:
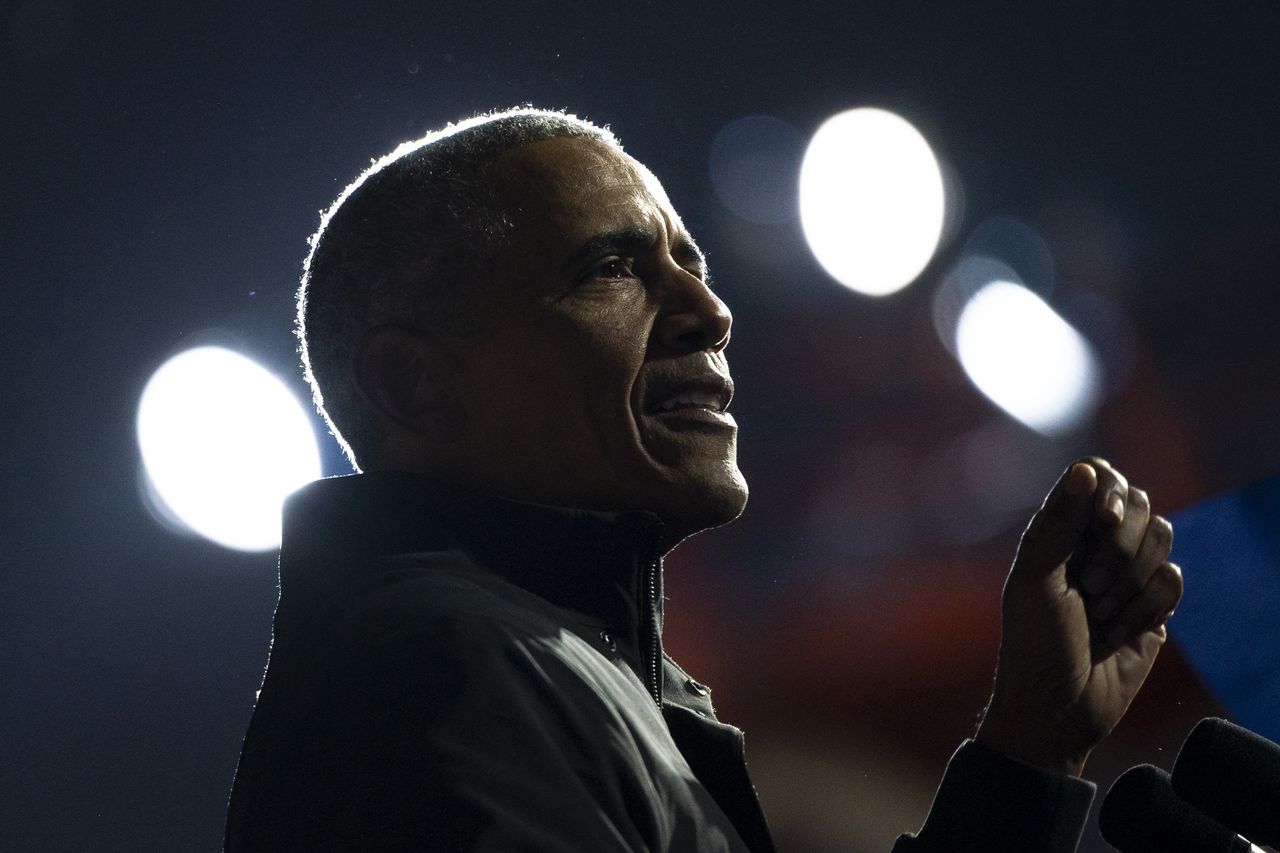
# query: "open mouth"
702,397
694,399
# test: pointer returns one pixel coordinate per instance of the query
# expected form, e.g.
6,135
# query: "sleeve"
988,801
461,737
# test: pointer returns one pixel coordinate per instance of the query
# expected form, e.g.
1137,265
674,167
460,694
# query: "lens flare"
223,442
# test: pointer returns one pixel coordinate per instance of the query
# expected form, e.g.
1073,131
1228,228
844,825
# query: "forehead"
568,189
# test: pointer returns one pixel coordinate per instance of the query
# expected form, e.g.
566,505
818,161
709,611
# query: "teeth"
705,399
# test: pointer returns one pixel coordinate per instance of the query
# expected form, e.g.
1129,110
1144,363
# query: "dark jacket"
450,672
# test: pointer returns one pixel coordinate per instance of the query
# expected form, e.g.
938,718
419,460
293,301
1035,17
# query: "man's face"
598,377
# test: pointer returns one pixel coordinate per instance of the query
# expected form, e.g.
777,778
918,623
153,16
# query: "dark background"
164,162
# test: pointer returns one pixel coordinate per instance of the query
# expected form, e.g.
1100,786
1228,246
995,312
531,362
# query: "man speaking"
513,335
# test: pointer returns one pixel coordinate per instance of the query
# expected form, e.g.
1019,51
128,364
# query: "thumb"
1056,529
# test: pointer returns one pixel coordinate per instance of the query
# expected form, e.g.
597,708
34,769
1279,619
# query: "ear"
406,376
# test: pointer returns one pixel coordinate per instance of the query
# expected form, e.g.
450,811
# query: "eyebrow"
633,241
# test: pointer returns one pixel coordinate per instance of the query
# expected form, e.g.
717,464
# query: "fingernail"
1104,607
1077,480
1117,635
1116,506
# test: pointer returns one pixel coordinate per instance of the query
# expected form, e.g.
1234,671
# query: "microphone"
1233,775
1141,814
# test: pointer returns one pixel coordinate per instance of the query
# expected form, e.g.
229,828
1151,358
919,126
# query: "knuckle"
1148,609
1108,475
1162,593
1101,468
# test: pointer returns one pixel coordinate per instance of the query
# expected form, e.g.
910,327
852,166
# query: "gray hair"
398,245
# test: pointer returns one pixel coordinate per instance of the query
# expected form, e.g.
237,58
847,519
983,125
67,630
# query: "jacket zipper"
655,663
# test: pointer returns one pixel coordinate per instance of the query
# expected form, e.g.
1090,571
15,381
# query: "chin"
703,505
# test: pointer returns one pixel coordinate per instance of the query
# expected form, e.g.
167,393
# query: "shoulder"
436,610
431,640
437,627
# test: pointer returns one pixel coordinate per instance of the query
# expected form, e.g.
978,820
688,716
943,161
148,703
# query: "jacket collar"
606,566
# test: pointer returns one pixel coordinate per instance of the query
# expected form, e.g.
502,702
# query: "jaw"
694,482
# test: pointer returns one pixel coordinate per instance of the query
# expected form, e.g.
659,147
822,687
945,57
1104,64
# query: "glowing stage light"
1026,359
223,442
871,200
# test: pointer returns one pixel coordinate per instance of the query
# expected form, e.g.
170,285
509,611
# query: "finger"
1149,609
1115,546
1132,576
1112,494
1056,529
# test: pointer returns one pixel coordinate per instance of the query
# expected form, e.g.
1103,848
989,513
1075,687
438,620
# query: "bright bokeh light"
871,200
223,443
1026,359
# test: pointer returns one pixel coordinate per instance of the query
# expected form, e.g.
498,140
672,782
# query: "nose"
692,318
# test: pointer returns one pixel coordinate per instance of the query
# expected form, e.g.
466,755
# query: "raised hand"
1084,614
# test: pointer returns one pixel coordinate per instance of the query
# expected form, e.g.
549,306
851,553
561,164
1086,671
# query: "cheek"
608,382
573,378
578,398
612,359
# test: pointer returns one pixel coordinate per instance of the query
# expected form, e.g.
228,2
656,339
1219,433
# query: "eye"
612,268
